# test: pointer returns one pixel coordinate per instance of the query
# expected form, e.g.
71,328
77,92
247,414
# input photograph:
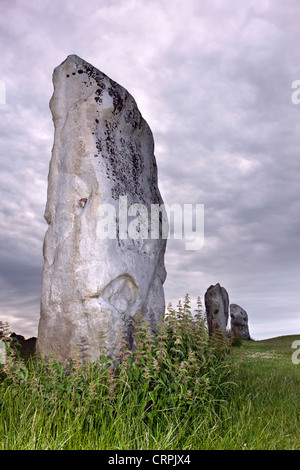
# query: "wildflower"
147,373
155,365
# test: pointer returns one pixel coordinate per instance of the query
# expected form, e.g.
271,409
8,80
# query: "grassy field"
264,409
183,393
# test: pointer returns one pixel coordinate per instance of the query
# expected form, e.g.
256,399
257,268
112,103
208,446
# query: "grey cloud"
214,83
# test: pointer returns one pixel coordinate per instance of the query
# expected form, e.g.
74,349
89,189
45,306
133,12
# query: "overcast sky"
213,79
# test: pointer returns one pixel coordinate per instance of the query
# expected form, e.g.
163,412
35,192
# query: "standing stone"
216,304
239,322
97,278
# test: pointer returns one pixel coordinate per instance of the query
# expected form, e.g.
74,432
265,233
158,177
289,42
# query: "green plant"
153,397
236,341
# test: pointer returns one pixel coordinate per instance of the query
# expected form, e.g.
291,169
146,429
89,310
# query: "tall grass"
264,410
163,395
178,390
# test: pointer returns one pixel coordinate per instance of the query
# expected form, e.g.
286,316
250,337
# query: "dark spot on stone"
97,121
80,71
67,76
82,201
99,145
133,117
73,73
113,91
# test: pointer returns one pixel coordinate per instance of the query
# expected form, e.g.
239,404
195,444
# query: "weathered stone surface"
103,149
239,322
216,304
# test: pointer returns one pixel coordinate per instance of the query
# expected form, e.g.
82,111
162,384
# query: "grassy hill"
264,411
279,344
260,409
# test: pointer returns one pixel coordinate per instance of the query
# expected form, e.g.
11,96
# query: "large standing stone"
216,303
239,322
93,287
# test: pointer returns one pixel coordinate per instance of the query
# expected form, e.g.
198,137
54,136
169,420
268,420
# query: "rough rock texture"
216,304
239,322
93,287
